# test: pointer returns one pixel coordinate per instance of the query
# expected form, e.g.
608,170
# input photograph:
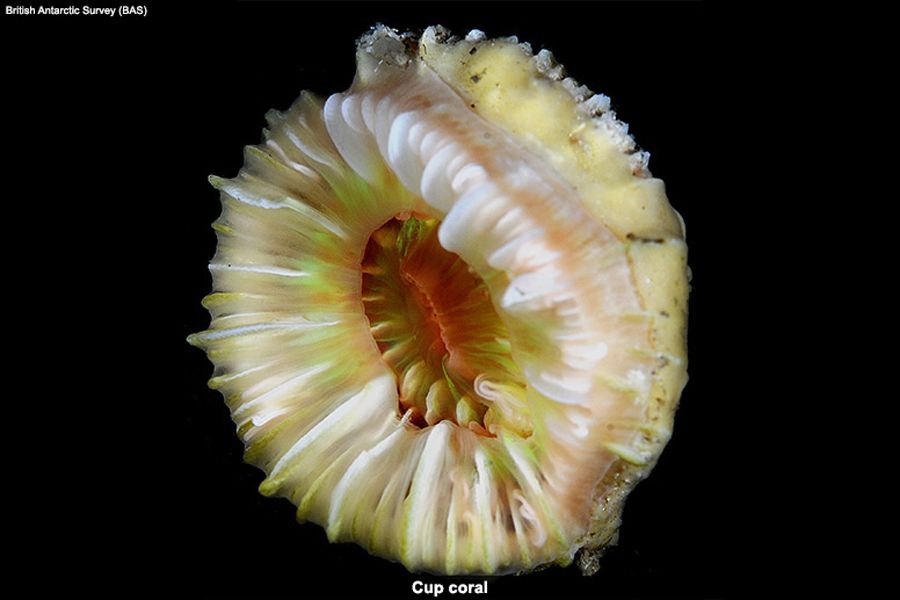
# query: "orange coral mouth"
424,305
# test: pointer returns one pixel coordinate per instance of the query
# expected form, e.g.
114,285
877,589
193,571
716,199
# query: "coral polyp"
449,308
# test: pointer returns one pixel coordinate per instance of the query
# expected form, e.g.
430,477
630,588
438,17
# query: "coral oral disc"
434,323
449,308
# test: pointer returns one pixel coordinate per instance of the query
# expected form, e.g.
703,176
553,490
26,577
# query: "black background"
119,122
